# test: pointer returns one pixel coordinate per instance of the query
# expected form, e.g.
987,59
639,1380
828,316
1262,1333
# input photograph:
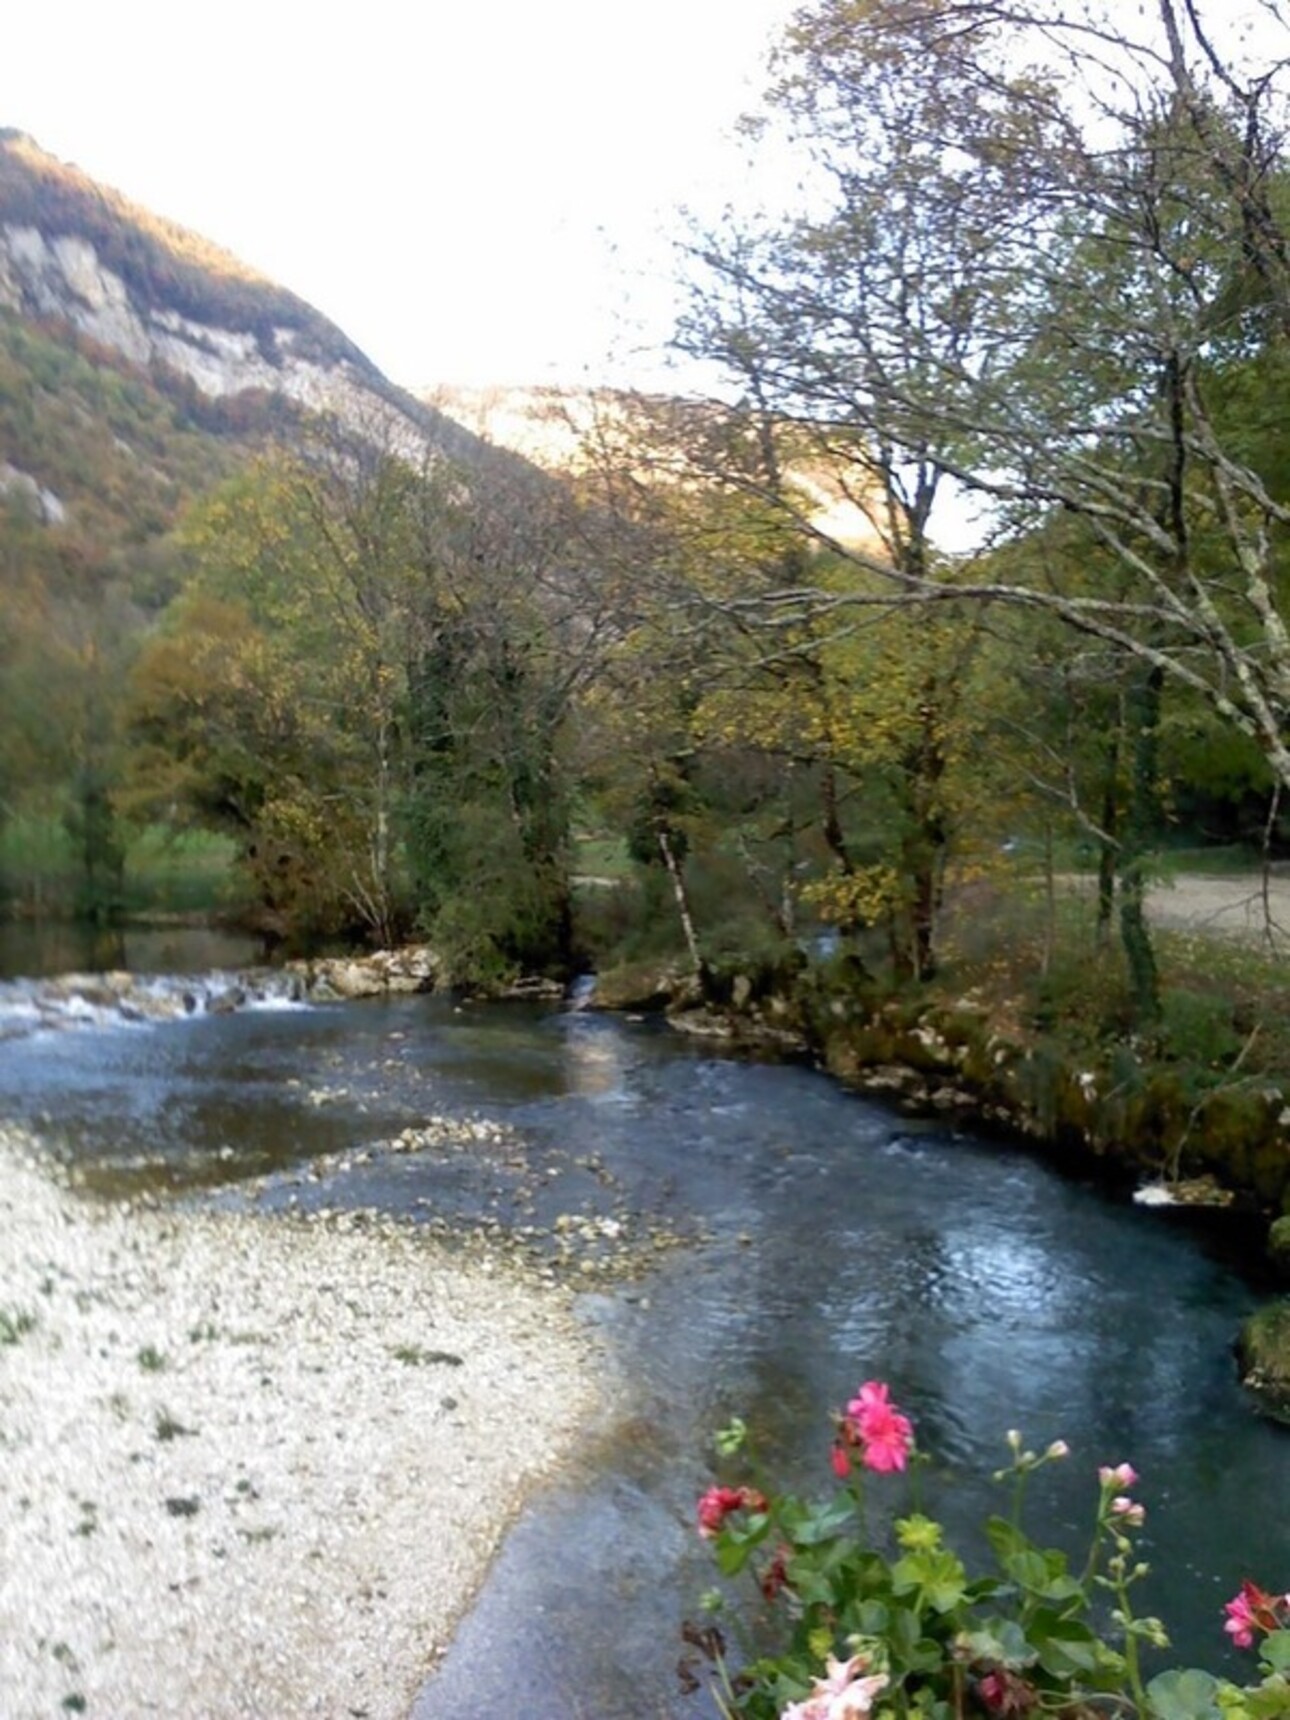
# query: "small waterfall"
121,999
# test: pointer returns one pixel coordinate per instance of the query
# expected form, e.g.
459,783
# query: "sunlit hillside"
567,430
160,262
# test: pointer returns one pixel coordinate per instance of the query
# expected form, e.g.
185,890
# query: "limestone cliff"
77,255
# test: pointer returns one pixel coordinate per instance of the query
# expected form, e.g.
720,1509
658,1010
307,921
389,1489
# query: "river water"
800,1239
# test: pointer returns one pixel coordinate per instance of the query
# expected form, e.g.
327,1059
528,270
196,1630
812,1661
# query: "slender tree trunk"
682,904
1140,824
1050,904
1108,849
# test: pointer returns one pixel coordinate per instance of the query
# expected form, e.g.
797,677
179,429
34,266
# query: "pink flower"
1252,1610
1123,1475
885,1436
1128,1511
841,1695
840,1461
718,1502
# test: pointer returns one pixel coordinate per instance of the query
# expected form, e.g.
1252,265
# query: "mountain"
119,327
556,427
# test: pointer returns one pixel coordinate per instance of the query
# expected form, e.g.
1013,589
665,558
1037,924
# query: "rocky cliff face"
77,255
62,276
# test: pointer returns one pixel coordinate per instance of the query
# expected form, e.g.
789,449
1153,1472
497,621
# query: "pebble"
305,1545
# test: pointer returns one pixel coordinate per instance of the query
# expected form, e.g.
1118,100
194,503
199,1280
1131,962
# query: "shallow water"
823,1241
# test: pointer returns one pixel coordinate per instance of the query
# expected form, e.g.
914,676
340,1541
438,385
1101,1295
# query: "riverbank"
255,1466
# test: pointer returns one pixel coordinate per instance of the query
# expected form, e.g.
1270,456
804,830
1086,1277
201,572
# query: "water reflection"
37,949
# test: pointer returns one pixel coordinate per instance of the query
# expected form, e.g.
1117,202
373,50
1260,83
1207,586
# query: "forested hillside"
140,369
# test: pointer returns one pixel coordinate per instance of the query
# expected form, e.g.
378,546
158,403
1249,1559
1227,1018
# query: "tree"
368,683
829,758
1105,250
1040,251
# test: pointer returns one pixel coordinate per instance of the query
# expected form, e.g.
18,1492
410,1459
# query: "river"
799,1239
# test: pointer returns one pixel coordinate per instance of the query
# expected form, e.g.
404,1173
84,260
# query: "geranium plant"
906,1630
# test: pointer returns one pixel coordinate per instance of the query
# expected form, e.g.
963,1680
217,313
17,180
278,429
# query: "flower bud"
1122,1475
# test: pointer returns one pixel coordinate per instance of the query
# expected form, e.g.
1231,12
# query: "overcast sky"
475,193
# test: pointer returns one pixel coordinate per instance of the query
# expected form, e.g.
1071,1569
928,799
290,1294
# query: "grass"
1221,998
601,855
15,1323
1217,860
166,1428
179,871
415,1357
166,871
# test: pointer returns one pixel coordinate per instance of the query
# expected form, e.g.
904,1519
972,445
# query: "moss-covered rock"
645,986
1263,1350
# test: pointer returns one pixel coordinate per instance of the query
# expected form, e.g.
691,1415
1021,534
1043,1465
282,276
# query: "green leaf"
731,1438
918,1534
1184,1695
1001,1640
1274,1651
938,1578
807,1526
1065,1645
1005,1538
1269,1700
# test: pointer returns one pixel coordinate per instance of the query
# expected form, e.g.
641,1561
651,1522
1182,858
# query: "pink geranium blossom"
884,1435
1128,1511
718,1502
1252,1610
841,1694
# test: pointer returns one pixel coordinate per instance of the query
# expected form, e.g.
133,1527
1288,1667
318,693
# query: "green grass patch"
601,855
15,1323
166,871
414,1356
179,871
1215,860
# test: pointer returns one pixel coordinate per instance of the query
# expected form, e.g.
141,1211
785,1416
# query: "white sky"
474,192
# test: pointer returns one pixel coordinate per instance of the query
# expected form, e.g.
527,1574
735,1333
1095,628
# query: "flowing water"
799,1239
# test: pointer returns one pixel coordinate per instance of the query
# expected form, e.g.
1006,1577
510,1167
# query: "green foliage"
860,1627
1198,1027
15,1323
165,870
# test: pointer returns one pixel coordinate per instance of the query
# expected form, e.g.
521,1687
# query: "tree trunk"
682,904
1143,709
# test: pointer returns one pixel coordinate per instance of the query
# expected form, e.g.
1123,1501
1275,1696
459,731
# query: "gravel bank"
253,1467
